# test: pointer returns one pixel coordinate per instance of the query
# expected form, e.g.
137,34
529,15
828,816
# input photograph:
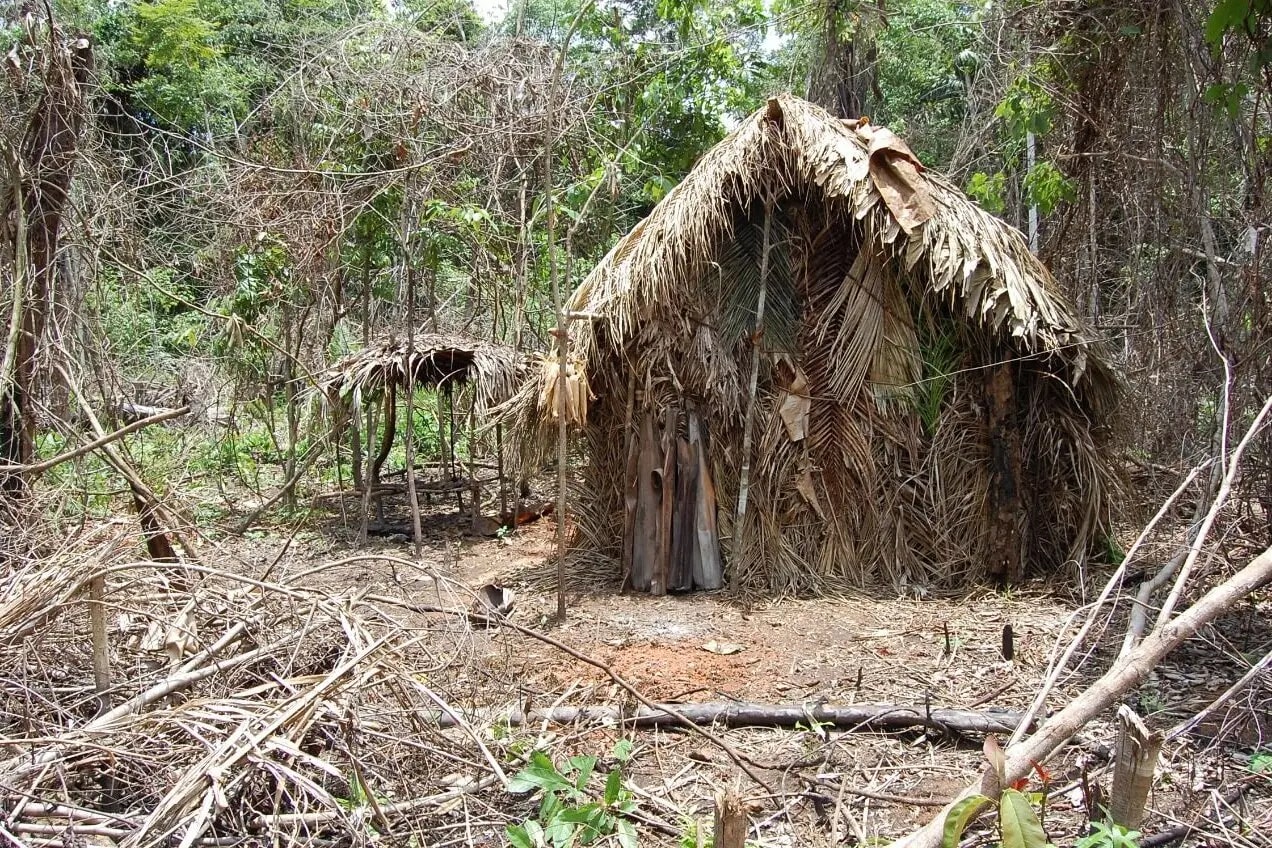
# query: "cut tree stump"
730,820
1135,763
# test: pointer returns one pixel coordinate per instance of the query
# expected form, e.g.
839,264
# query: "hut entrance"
440,388
670,541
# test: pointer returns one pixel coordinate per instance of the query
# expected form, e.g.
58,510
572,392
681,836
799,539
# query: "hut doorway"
670,540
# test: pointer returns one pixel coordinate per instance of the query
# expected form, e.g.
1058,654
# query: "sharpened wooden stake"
1136,761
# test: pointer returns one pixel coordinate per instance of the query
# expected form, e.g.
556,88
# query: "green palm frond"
739,276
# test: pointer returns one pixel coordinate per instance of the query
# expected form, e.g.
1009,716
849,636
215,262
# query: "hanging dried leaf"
804,485
795,406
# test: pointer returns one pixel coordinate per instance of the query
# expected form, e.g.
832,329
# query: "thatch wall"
922,384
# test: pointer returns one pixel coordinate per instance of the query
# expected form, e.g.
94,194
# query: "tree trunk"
41,181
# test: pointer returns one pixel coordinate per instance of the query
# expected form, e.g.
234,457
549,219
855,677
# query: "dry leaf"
804,485
795,407
722,648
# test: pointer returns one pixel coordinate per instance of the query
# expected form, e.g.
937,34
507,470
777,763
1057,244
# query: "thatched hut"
390,370
814,333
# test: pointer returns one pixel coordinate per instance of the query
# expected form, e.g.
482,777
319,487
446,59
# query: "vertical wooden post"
101,646
744,478
730,820
1133,768
1006,539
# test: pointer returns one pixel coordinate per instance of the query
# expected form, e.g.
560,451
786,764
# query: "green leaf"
626,834
1228,14
1018,823
613,786
960,817
540,773
559,831
526,835
622,750
583,766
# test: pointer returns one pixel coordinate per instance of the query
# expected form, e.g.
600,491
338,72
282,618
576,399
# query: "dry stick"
1224,490
40,467
141,492
744,478
1228,694
1053,675
562,325
9,363
680,718
1129,671
408,443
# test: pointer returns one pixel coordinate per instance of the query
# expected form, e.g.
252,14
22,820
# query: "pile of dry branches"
213,705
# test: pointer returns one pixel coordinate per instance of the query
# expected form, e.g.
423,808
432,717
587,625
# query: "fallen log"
858,717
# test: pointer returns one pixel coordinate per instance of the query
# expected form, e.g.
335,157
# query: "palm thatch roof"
437,360
889,301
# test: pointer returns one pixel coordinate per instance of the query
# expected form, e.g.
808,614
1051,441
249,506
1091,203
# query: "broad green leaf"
540,773
559,832
583,766
1228,14
1018,822
518,837
622,750
626,833
613,786
960,817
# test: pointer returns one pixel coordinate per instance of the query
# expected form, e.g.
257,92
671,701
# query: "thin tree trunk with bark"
41,188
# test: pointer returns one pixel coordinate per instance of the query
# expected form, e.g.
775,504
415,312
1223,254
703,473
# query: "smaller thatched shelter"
828,364
435,360
394,366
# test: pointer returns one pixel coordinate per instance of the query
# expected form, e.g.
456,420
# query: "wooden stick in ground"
730,820
1129,671
562,322
100,642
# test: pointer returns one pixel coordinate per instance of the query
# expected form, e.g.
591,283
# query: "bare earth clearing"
830,786
289,687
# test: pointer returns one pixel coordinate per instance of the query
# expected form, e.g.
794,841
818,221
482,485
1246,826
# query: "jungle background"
206,203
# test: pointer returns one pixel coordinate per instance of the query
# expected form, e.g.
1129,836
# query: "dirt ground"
831,787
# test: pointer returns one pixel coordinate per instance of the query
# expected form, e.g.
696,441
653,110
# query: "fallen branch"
863,717
1128,672
40,467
